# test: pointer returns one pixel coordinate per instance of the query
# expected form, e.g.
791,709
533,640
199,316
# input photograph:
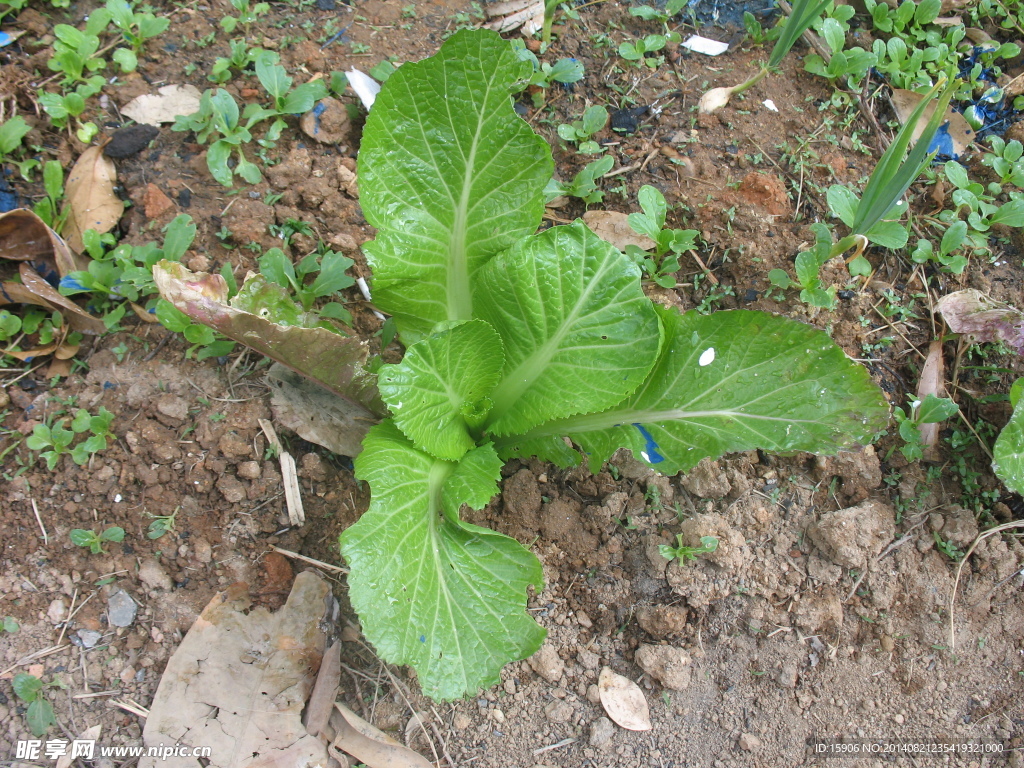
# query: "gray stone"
89,637
121,609
749,742
558,712
152,574
601,732
668,665
547,663
57,611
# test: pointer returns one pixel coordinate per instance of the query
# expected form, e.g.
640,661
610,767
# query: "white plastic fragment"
771,105
366,87
365,290
705,45
289,476
706,357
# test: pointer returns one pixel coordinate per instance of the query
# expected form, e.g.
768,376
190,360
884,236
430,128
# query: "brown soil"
824,614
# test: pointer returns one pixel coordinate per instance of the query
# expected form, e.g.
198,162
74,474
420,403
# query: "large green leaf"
450,176
439,390
579,333
1008,452
445,596
734,381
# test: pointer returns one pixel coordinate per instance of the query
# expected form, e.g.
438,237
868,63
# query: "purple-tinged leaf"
982,318
336,362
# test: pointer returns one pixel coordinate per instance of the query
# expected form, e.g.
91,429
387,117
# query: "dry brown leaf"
26,237
163,106
315,413
370,746
89,734
624,702
33,289
931,382
325,692
239,680
904,102
90,199
613,227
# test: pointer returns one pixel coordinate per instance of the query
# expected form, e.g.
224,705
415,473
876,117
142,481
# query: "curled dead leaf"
931,382
90,199
164,105
624,702
513,14
33,289
372,747
981,318
26,237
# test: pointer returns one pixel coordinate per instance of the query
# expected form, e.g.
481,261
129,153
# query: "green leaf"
178,236
272,76
888,234
953,237
446,597
26,687
567,71
12,132
82,538
780,279
467,184
39,716
277,268
578,332
734,381
126,59
438,393
934,410
217,161
332,277
653,204
113,533
843,202
302,99
1010,215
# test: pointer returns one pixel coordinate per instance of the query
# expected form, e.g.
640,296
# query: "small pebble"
121,609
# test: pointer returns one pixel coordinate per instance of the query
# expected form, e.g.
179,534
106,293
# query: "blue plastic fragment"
651,453
5,39
317,111
423,638
942,143
70,283
109,385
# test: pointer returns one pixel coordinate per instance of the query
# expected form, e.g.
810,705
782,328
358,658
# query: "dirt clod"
668,665
852,537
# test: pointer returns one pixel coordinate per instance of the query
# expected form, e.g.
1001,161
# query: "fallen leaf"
613,227
325,692
238,682
26,237
33,289
513,14
624,702
316,414
953,136
164,106
982,318
370,746
931,382
90,199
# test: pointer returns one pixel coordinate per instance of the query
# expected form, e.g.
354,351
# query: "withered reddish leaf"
334,361
982,318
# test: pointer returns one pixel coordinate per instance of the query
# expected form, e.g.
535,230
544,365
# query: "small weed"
669,244
54,441
39,713
10,625
684,553
584,184
81,537
162,524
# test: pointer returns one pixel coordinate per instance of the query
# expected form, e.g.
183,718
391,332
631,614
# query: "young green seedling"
684,553
638,51
136,28
594,119
93,541
669,244
162,524
39,713
584,183
931,410
330,270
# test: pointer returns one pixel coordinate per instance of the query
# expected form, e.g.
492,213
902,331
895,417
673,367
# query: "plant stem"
751,82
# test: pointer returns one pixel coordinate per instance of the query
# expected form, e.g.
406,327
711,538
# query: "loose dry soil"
823,615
